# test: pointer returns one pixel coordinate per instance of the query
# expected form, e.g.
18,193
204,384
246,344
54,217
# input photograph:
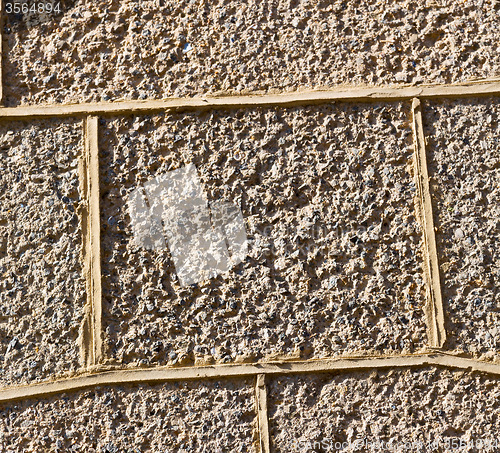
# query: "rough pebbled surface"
180,417
400,406
42,290
335,249
464,166
110,49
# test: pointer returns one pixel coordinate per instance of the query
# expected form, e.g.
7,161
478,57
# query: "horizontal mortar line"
165,374
474,88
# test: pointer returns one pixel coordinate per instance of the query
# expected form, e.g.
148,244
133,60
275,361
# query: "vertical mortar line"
85,338
434,307
261,396
91,140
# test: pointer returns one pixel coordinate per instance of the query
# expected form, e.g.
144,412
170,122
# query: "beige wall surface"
194,416
425,410
43,286
328,201
463,144
111,49
359,141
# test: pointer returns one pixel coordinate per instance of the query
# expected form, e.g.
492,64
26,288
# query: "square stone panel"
334,264
173,417
464,140
125,49
42,290
410,409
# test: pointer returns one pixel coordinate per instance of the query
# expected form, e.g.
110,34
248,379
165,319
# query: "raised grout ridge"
262,417
434,307
94,238
85,338
476,88
166,374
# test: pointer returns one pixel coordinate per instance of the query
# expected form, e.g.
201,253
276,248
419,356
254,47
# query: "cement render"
112,49
194,416
403,407
360,292
42,291
334,266
463,166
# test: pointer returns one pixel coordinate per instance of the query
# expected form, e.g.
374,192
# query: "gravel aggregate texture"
465,181
185,417
328,198
42,291
110,49
437,408
327,195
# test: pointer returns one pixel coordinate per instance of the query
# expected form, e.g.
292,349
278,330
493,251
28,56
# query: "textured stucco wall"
208,416
335,249
328,197
152,49
463,157
42,290
399,406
